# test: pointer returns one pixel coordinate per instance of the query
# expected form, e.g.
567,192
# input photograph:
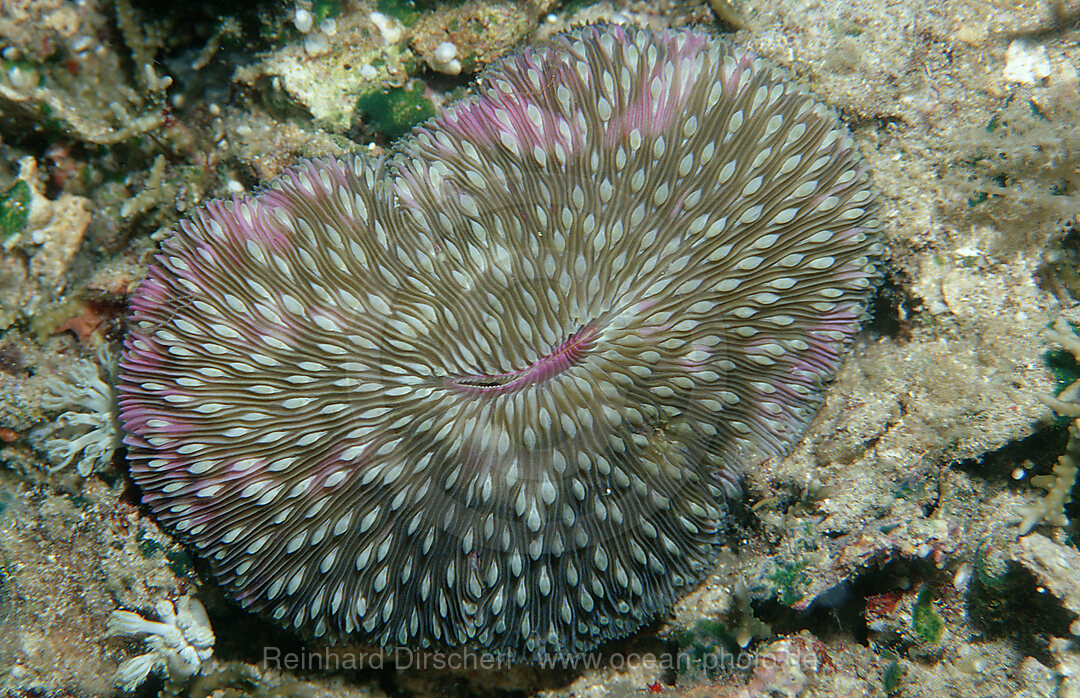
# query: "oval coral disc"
493,392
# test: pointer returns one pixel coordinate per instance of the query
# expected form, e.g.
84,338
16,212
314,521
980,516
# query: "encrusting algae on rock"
493,391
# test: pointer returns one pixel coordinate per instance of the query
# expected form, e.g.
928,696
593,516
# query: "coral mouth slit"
567,355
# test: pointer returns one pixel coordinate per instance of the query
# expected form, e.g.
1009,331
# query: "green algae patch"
325,9
409,11
703,646
925,621
891,680
147,546
14,210
404,11
790,579
395,111
705,637
179,562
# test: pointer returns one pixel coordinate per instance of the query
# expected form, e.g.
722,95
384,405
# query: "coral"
157,188
1051,508
325,78
494,392
907,441
336,75
1022,172
479,32
178,644
85,433
42,246
66,557
748,627
1058,486
89,95
54,229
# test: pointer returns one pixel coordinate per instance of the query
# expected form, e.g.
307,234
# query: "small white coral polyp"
177,646
86,432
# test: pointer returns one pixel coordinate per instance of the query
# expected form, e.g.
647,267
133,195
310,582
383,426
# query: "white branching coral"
177,646
85,433
1058,486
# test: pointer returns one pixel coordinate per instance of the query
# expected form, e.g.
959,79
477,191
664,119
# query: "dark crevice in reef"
246,637
891,307
739,522
190,24
1016,463
1034,455
1003,604
1059,273
243,636
1010,606
240,33
840,612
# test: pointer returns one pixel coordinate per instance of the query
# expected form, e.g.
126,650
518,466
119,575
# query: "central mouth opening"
486,381
567,355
